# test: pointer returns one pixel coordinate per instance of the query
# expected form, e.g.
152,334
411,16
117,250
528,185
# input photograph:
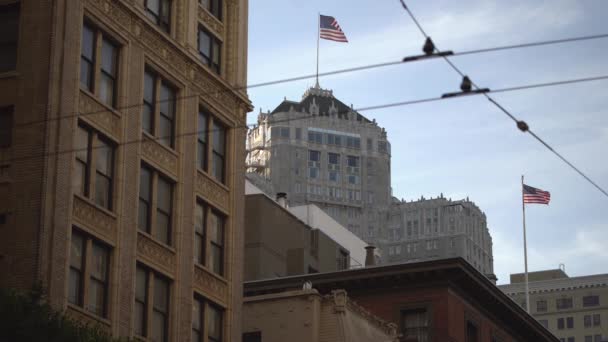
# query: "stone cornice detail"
209,284
154,254
211,22
214,89
212,192
93,111
89,216
154,152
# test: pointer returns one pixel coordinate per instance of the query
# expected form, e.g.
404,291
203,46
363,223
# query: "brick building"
121,178
432,301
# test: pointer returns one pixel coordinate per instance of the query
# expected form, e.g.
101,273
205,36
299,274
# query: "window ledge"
96,99
95,205
81,311
213,274
9,74
155,241
156,140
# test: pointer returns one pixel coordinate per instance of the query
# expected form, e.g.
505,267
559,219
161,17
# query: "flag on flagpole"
330,30
535,196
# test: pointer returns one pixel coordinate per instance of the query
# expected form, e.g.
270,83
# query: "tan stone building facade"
121,161
307,316
575,309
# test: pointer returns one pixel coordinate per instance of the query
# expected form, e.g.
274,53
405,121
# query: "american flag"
329,29
534,195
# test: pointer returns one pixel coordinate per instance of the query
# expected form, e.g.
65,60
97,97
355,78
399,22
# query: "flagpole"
523,208
318,35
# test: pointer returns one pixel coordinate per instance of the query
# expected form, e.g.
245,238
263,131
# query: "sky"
466,146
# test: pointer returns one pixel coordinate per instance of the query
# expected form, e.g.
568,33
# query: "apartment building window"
202,137
298,133
210,50
472,332
158,117
563,303
343,259
209,238
589,301
541,305
6,126
561,323
569,322
333,139
254,336
214,7
219,151
370,146
102,83
9,26
213,326
94,166
571,339
352,142
596,320
315,137
154,186
159,11
333,160
314,163
152,302
415,325
89,259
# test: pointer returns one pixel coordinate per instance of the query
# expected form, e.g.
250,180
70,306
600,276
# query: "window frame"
153,205
219,156
151,277
215,45
208,245
156,115
426,308
205,306
89,242
96,72
211,154
591,301
157,18
14,41
91,170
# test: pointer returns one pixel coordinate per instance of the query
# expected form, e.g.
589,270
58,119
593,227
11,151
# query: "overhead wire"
360,109
312,76
502,108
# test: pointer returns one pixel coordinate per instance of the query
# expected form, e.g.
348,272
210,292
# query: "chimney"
282,199
370,258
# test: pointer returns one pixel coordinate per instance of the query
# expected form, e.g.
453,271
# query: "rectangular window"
563,303
159,11
215,324
472,332
560,324
315,137
597,338
415,325
158,110
89,258
91,146
589,338
200,224
343,259
589,301
352,161
219,151
6,125
106,61
152,292
202,134
209,235
9,26
153,185
214,7
596,320
569,322
571,339
216,243
370,145
314,155
210,50
541,305
255,336
298,133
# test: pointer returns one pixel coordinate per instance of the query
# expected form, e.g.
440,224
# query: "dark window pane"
215,259
214,323
109,54
79,178
219,138
97,298
88,43
165,133
161,294
106,89
153,6
159,327
6,126
167,100
99,262
141,284
149,87
140,316
86,74
82,144
197,310
216,229
143,216
145,177
9,26
204,45
163,228
147,118
74,287
77,252
218,167
105,154
164,195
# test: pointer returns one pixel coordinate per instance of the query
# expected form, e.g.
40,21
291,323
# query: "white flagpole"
318,35
523,208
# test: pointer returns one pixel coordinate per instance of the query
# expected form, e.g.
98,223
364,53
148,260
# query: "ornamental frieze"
211,22
154,152
210,285
89,216
154,254
90,109
211,191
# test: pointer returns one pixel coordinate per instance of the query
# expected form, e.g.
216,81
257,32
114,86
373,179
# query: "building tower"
110,198
321,151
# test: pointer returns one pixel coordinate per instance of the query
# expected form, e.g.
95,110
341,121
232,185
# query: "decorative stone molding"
211,22
211,191
155,254
79,315
91,109
95,219
209,284
155,152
